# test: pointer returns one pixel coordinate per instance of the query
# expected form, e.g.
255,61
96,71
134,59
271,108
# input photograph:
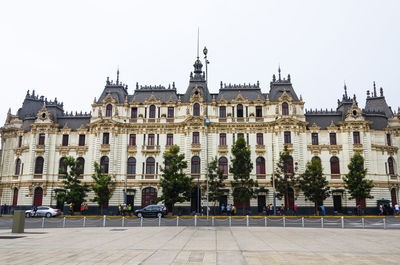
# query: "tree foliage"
75,191
313,183
176,186
216,184
103,187
241,166
355,182
284,178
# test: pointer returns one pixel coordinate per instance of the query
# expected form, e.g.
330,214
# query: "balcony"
129,176
259,119
151,149
222,149
19,150
37,176
133,120
132,149
105,148
317,149
222,120
261,176
171,120
358,147
39,148
196,148
260,149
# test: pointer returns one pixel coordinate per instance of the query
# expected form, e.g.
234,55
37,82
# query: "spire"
374,89
381,91
345,90
198,40
118,75
279,73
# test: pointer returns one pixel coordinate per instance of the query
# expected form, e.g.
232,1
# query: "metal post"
363,223
302,222
265,221
247,220
384,223
342,219
43,222
84,221
322,222
141,221
64,222
104,221
273,174
284,221
198,195
230,221
159,221
195,220
212,221
123,221
177,221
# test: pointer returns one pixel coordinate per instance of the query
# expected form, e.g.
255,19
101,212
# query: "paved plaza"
203,245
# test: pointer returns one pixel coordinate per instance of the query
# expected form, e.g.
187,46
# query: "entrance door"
289,199
394,197
261,202
38,197
148,195
337,203
242,205
130,199
15,197
194,200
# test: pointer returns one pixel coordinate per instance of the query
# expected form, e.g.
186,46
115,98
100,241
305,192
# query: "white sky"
67,49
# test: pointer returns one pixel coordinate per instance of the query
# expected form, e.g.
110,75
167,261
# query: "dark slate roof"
74,122
379,121
248,91
378,104
117,90
323,118
161,93
278,86
197,79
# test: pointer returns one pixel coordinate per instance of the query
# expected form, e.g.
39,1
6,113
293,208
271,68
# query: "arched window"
104,162
15,197
223,165
195,165
196,109
239,110
109,110
62,167
149,194
150,166
39,165
131,166
391,165
17,166
285,108
335,168
152,114
316,158
393,194
81,164
260,166
289,165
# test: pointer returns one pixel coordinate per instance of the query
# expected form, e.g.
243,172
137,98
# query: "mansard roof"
116,89
161,93
248,91
280,85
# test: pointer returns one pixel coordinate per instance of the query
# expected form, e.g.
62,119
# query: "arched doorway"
15,197
289,199
148,195
38,196
394,197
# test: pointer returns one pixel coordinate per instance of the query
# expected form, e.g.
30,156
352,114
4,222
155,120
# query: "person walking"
295,210
322,210
71,209
86,208
233,210
228,209
129,210
120,209
222,209
396,209
282,210
82,209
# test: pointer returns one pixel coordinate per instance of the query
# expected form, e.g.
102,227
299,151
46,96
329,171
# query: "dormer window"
239,110
285,108
222,112
170,112
109,110
258,111
196,109
152,114
134,113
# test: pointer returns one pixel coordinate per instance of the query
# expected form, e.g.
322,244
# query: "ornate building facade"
127,134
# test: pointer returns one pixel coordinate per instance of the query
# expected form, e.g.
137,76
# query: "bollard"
177,221
322,222
123,221
265,221
302,222
195,221
212,221
159,221
104,221
84,221
141,221
64,222
230,221
43,222
342,222
247,220
384,223
284,221
18,225
363,224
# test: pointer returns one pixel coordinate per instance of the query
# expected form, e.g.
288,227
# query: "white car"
43,211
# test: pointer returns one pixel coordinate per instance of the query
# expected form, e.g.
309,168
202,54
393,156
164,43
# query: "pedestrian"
82,209
233,210
396,209
295,210
282,210
124,209
71,209
222,209
322,210
380,209
120,209
86,208
130,210
358,209
267,209
228,209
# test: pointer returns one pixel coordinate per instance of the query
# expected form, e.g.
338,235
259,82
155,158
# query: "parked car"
152,211
43,211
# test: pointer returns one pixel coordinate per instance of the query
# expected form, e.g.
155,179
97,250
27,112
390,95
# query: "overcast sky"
67,49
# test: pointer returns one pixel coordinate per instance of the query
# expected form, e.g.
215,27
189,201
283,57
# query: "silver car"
43,211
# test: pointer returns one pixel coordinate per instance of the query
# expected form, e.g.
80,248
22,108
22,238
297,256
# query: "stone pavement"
205,245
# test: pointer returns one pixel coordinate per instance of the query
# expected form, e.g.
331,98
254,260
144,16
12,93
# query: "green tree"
103,187
176,186
314,184
285,176
216,183
241,166
75,191
355,182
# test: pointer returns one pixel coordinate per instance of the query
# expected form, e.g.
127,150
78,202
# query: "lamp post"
206,123
273,174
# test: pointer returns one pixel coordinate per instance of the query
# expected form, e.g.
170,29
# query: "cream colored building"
128,134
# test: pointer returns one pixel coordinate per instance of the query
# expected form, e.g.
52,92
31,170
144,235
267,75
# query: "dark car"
152,211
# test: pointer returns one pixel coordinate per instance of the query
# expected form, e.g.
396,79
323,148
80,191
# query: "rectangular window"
145,112
41,139
132,139
314,138
240,135
170,139
65,139
287,138
150,141
82,139
260,138
222,139
20,141
134,113
233,111
388,139
247,138
222,112
332,138
233,137
144,139
170,112
106,138
356,138
158,139
196,138
258,111
247,111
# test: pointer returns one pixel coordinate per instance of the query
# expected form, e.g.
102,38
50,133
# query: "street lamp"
206,123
